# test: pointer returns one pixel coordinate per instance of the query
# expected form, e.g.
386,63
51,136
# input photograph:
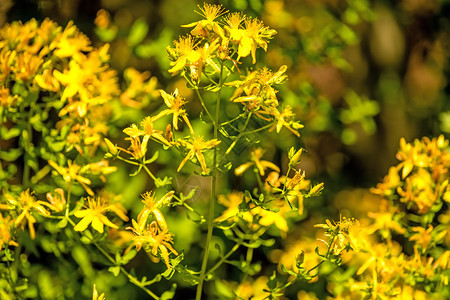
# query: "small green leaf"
137,33
114,270
167,295
153,158
9,133
128,256
137,171
62,223
11,154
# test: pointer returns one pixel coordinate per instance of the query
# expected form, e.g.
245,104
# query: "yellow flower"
422,236
26,204
58,203
255,290
95,295
141,88
71,173
152,207
175,104
210,12
261,165
150,131
183,54
152,239
103,19
188,54
232,202
255,35
233,26
6,237
94,214
72,42
284,118
196,146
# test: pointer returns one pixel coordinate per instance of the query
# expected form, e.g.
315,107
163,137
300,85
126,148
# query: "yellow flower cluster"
154,236
62,66
406,245
420,180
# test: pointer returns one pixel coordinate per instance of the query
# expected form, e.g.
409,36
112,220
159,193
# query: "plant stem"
241,134
130,277
213,191
224,258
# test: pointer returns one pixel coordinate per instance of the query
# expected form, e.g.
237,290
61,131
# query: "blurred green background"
362,74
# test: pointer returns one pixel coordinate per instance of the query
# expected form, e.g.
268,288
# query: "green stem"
241,134
188,207
204,105
69,185
27,145
130,277
213,191
149,172
224,258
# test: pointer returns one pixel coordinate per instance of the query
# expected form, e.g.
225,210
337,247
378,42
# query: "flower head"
196,147
261,165
94,214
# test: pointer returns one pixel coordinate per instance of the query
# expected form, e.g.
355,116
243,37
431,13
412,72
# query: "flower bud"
295,159
111,147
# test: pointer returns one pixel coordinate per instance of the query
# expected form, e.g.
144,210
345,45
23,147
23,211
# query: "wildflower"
184,53
255,289
261,165
141,88
95,295
94,212
71,173
284,118
103,19
175,104
59,201
339,233
210,12
188,54
232,202
233,26
255,35
6,238
267,218
422,237
152,239
150,131
47,81
196,146
27,204
152,207
72,42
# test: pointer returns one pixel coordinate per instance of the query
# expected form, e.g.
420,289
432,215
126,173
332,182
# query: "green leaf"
11,154
168,273
128,256
137,33
272,282
62,223
145,50
152,159
137,171
57,146
7,134
106,34
114,270
167,295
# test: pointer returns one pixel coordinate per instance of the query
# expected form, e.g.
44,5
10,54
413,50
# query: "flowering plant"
217,201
